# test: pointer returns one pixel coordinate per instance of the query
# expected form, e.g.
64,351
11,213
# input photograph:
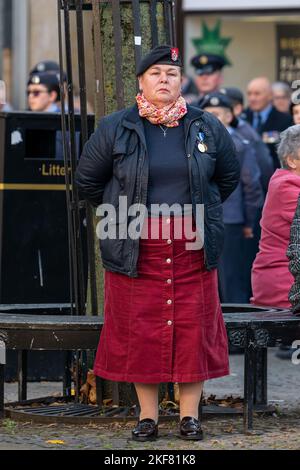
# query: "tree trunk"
126,392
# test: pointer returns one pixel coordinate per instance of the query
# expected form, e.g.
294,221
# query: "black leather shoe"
190,429
145,430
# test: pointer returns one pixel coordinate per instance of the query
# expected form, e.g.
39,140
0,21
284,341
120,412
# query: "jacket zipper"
189,156
137,198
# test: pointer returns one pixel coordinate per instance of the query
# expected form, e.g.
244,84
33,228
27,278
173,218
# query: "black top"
168,165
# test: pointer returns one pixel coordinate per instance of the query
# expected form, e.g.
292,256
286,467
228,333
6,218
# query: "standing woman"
163,319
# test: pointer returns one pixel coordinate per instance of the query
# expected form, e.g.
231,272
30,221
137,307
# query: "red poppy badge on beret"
174,54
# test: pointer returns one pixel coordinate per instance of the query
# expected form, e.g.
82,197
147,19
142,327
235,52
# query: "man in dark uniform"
264,117
240,209
208,74
247,132
43,92
44,96
265,164
40,101
50,67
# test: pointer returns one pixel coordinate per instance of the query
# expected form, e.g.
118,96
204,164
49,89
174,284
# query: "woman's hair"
289,145
282,86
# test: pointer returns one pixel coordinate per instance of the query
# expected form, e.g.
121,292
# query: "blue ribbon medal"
202,147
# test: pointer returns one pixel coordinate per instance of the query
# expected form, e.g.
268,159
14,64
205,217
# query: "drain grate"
65,410
75,409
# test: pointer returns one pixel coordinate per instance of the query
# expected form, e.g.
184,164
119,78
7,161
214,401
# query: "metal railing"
146,23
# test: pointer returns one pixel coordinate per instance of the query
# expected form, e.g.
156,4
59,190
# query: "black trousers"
232,286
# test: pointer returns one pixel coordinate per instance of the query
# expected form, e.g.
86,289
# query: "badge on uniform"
271,137
174,54
202,147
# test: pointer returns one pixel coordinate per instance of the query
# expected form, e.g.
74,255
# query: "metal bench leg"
2,376
249,382
22,375
261,377
67,379
99,394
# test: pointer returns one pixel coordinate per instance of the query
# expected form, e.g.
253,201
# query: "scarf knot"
168,115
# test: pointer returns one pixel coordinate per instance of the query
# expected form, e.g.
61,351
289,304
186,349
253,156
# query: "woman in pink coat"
271,279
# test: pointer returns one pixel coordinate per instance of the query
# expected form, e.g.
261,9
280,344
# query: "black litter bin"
34,253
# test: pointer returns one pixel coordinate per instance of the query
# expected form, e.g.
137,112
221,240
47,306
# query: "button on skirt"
166,325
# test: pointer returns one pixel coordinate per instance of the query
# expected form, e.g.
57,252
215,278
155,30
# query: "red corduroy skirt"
166,325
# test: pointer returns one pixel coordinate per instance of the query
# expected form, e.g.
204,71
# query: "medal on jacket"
202,147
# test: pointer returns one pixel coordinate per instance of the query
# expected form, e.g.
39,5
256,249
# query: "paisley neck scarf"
168,115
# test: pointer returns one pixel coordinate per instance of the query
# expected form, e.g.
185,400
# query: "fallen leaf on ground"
229,429
55,441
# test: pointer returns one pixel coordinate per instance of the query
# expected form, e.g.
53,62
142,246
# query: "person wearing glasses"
51,67
43,92
281,96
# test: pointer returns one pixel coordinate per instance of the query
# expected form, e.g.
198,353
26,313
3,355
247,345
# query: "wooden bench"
253,331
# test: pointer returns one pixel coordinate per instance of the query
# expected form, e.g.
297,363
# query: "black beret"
46,78
216,100
159,55
234,94
207,63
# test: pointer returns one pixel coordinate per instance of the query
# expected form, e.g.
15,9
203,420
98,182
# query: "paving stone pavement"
279,431
271,432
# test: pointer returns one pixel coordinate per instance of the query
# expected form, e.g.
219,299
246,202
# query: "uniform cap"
216,100
46,78
234,94
47,66
207,63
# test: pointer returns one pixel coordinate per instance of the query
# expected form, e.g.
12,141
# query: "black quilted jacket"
114,163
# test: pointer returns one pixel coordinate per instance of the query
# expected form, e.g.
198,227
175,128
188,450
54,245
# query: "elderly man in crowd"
264,117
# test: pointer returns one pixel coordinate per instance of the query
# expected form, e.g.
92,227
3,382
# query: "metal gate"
122,31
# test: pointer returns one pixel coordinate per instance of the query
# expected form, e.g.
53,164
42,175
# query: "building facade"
264,37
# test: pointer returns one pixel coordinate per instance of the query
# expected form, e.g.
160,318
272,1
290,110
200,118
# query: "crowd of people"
254,265
163,316
258,215
43,90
